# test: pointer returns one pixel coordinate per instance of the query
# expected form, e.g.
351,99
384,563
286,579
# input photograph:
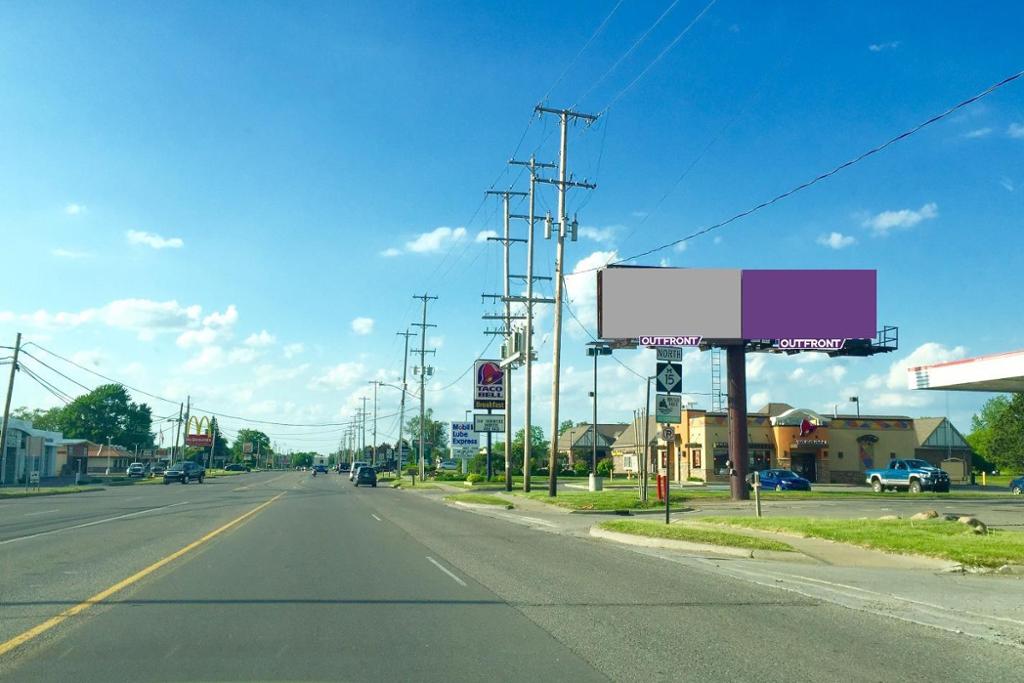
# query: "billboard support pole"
736,369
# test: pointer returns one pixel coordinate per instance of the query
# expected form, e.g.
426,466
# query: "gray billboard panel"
637,301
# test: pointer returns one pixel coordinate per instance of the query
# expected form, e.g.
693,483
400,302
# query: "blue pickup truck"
908,475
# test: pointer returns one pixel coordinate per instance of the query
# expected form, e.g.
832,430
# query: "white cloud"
581,290
74,209
243,355
209,358
264,338
755,366
269,374
215,327
605,234
879,47
203,336
70,253
151,239
836,240
882,223
391,252
680,247
226,319
925,354
1015,130
836,373
341,376
362,326
484,235
90,358
1007,184
433,241
757,400
797,375
977,133
293,349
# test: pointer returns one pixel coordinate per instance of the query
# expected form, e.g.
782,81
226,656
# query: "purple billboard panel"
809,304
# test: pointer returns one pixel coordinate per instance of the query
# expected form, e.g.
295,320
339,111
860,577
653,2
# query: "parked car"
1017,486
236,467
366,475
908,475
355,469
185,472
157,471
136,469
783,480
449,465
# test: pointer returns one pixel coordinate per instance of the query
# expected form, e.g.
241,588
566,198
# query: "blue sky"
202,199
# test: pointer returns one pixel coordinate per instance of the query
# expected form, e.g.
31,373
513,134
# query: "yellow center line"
50,623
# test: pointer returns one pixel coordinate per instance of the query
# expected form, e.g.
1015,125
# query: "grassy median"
46,491
479,499
680,532
602,500
935,538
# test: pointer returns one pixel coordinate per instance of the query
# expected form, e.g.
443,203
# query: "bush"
474,478
442,475
605,467
697,479
581,468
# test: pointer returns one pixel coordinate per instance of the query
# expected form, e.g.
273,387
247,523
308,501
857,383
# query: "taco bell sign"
489,385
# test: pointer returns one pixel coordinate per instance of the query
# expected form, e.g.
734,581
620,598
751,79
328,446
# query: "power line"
579,54
803,186
45,365
657,59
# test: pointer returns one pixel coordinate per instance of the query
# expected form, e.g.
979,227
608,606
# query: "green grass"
678,532
998,481
864,493
602,500
479,499
935,538
13,492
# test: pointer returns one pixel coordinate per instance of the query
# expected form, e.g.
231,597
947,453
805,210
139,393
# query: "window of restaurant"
721,461
695,458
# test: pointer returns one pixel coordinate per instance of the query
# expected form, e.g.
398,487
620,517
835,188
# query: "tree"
258,439
435,435
564,426
108,412
997,432
48,420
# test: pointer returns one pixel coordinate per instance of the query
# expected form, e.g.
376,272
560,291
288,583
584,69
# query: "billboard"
201,437
488,423
489,385
733,304
464,436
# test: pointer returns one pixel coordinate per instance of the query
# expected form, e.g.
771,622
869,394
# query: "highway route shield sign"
670,377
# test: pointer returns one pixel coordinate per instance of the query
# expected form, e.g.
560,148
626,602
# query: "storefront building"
823,449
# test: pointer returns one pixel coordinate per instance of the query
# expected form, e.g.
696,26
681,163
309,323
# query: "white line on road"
87,524
376,517
441,567
534,520
42,512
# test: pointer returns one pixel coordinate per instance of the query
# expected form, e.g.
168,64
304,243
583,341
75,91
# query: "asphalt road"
329,582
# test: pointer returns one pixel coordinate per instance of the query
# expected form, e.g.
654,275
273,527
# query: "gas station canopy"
997,372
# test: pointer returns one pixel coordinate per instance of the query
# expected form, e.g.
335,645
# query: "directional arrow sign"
670,377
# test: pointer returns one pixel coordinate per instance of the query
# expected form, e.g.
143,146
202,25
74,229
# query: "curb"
478,506
705,548
627,512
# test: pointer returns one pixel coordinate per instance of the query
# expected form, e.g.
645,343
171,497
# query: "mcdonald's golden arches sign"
198,432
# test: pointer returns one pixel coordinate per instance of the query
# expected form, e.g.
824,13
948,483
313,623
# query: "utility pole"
177,432
562,184
184,431
531,220
376,383
424,370
7,412
362,427
401,410
506,331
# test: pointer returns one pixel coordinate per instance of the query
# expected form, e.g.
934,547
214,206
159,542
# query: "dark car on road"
783,480
236,467
320,469
1017,486
344,467
185,472
366,475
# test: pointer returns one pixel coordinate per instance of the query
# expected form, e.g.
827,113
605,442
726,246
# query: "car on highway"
1017,486
344,467
783,480
136,469
366,476
355,469
185,472
236,467
320,469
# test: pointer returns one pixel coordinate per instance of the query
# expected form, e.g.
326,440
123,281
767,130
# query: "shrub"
474,478
581,468
605,467
697,479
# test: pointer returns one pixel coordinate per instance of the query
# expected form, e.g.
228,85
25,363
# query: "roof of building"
938,432
627,441
580,435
